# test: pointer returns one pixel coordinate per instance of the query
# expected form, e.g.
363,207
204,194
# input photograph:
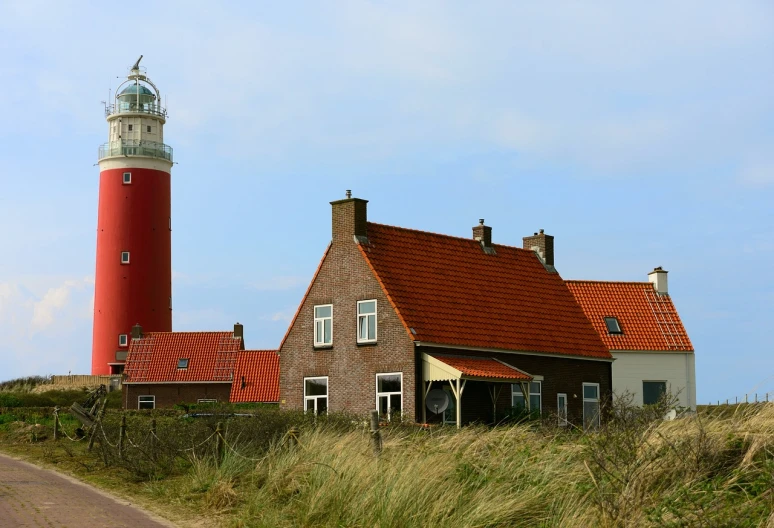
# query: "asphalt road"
31,496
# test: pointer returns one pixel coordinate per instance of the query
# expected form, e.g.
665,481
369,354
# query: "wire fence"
753,398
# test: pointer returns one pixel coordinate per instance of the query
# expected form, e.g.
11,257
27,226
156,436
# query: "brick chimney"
543,244
658,277
349,217
239,331
483,233
137,331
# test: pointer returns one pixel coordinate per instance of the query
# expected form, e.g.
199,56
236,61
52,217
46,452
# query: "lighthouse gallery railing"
135,147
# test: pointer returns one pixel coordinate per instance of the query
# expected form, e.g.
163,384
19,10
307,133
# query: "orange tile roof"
449,291
260,369
154,357
648,321
483,367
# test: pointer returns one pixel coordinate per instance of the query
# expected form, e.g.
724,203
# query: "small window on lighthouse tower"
124,257
123,340
127,178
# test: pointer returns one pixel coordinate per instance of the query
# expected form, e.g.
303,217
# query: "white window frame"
123,340
516,391
595,400
317,340
152,400
315,398
562,412
125,260
126,179
360,339
389,394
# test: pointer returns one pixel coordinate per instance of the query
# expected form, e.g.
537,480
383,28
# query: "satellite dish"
437,400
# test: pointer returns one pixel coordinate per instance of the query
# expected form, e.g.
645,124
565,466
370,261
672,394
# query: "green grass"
708,470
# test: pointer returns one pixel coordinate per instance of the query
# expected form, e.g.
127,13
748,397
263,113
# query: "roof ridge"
257,350
643,283
432,233
178,332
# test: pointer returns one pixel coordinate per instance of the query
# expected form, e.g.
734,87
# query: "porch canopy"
457,370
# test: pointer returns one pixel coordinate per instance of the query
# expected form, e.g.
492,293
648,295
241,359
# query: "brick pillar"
543,243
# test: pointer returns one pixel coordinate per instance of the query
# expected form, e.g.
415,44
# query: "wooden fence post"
376,434
56,424
121,436
219,441
96,423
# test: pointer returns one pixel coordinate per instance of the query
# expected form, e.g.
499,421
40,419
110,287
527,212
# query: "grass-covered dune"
704,470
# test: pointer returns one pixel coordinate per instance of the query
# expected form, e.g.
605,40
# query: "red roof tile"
260,369
483,367
449,291
648,321
154,357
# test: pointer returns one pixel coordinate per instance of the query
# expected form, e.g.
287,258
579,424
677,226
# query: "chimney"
349,218
483,233
659,279
137,331
239,331
543,244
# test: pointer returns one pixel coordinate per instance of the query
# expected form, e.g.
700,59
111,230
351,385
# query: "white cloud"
757,174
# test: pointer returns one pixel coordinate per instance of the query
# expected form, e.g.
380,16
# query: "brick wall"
345,278
169,394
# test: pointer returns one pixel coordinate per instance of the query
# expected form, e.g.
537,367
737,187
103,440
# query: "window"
590,405
366,321
182,363
127,178
323,325
124,257
612,325
146,402
653,391
130,128
123,340
561,409
316,395
389,394
149,128
535,396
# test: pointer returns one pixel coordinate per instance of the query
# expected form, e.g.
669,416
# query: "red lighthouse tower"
133,281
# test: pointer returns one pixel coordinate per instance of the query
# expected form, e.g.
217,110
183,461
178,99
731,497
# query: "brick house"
167,368
641,327
440,329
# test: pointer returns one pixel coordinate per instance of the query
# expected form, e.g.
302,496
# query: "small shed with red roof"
394,314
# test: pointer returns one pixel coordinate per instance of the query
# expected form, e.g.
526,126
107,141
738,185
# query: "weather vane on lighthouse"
133,280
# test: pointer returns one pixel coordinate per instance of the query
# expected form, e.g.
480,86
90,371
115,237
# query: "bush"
9,400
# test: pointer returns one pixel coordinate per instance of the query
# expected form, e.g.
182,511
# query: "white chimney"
659,279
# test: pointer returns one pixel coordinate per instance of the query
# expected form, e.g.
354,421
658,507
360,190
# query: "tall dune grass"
694,471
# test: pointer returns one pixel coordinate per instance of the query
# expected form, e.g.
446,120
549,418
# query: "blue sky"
639,135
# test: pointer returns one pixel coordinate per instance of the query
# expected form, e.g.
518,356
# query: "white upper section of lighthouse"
136,126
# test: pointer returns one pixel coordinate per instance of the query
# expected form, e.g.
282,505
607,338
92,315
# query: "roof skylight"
613,327
182,363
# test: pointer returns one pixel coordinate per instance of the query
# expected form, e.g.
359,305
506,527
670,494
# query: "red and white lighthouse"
133,281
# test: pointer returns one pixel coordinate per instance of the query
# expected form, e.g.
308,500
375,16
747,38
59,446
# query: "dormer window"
182,363
613,327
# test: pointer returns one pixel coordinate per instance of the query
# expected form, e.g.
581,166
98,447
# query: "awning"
458,370
447,368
